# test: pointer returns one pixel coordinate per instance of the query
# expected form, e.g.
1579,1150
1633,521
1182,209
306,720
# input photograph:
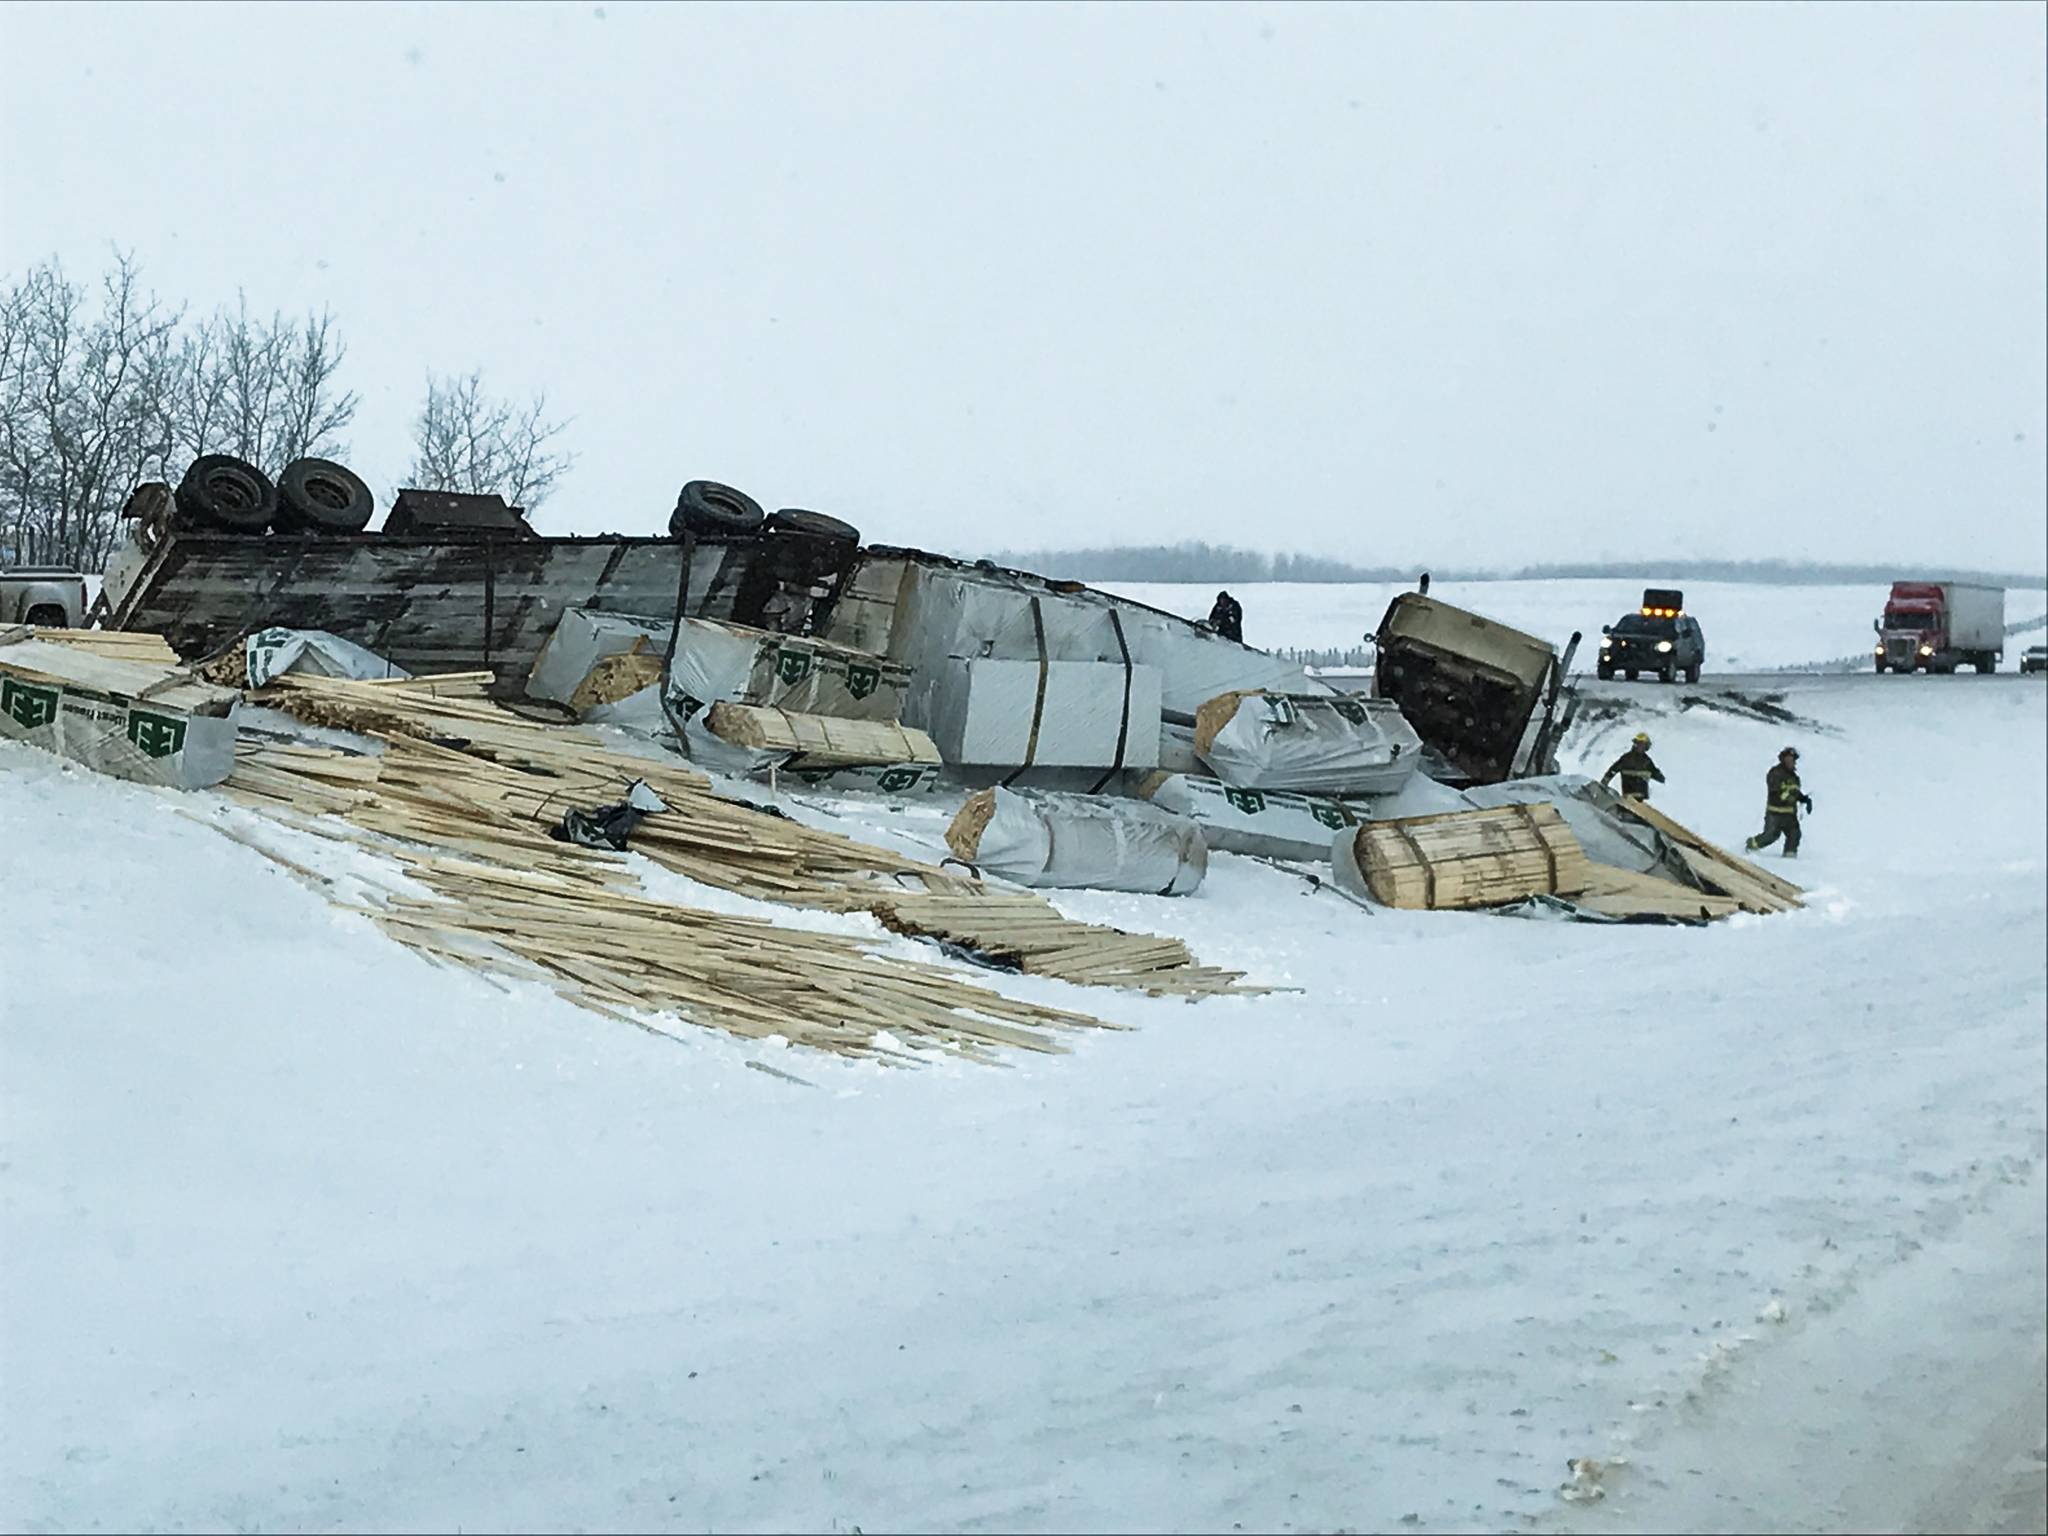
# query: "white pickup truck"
45,595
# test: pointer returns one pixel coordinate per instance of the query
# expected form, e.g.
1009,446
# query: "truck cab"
1660,637
1482,696
1937,626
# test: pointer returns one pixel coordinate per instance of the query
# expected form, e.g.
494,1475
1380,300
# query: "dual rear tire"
221,493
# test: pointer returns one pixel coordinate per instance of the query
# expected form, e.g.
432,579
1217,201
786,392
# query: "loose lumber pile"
822,739
1625,893
114,644
1752,888
463,793
1018,931
1481,858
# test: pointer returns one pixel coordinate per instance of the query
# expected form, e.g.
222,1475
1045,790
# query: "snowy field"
298,1232
1749,627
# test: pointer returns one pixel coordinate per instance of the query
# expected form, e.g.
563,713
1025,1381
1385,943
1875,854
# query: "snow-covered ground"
1749,627
298,1231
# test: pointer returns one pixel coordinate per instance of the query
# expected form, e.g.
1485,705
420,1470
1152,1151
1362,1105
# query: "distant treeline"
1223,564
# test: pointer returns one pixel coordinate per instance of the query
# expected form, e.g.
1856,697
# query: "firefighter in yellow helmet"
1635,768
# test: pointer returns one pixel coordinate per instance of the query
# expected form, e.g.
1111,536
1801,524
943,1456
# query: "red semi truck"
1937,626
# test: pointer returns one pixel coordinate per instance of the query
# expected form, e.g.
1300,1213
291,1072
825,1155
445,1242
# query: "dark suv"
1659,637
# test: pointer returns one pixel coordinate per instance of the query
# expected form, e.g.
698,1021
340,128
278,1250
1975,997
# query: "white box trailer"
1937,626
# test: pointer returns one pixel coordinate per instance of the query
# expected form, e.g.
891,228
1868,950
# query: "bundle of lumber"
1480,858
821,740
114,644
456,777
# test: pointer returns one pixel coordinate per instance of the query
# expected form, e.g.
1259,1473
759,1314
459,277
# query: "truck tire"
1692,673
705,506
1987,664
47,616
1631,674
320,496
813,525
1667,674
224,492
1606,672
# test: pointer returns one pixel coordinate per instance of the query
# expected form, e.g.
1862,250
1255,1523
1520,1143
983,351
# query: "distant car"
1659,638
2034,659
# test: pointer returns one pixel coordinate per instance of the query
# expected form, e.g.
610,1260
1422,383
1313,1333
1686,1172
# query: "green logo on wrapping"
27,705
893,779
793,666
862,681
1329,816
155,735
1249,801
1355,713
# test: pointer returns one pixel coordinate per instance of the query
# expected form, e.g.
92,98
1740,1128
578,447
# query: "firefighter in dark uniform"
1635,768
1227,618
1782,799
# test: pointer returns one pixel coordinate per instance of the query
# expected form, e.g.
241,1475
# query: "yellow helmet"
1642,738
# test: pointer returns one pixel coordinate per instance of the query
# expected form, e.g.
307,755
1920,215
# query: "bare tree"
466,440
83,401
264,391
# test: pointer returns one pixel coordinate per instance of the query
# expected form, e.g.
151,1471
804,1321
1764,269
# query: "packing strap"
1528,818
1123,726
1428,869
1038,707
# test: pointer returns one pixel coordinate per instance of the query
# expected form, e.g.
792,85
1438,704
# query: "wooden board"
821,739
1758,889
1625,893
120,645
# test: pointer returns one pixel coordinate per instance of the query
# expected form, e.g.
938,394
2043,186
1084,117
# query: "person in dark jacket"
1635,768
1227,618
1782,799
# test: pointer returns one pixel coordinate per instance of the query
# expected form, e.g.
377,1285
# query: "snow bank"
297,1230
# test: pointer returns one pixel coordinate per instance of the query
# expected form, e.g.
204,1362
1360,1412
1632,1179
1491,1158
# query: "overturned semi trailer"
449,604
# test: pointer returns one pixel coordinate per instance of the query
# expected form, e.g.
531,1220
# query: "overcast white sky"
1390,283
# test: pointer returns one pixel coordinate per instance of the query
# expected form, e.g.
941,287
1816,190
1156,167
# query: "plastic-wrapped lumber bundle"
1095,841
1312,745
1271,823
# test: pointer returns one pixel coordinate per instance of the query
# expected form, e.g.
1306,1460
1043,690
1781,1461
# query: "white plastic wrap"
1330,746
582,639
1593,812
943,612
1269,822
729,663
980,713
271,653
1098,842
724,663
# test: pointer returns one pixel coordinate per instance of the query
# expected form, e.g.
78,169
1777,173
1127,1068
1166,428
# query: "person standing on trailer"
1227,618
1635,768
1782,799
